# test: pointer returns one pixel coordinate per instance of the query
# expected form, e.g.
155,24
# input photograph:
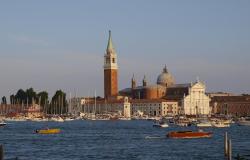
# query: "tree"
42,98
4,101
21,96
12,99
31,95
58,102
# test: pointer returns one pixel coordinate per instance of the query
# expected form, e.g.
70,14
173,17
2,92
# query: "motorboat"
244,121
2,123
189,134
125,118
160,124
57,119
69,119
220,124
48,131
204,123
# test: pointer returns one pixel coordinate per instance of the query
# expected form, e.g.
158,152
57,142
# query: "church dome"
165,78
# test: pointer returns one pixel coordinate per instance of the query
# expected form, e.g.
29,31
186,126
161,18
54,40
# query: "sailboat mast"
95,101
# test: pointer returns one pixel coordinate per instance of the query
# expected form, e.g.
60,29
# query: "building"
128,107
110,71
157,107
191,97
231,105
219,94
160,99
154,91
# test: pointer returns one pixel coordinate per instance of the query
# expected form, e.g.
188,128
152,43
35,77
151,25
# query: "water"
115,140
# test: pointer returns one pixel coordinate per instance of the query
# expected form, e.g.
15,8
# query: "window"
107,60
113,60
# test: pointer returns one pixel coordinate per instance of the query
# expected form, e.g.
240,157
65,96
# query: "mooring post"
229,149
225,145
1,152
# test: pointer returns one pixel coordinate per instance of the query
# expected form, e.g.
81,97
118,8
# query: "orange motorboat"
189,134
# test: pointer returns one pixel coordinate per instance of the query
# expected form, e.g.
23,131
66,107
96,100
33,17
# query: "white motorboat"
57,119
220,124
69,119
125,118
2,123
204,124
160,124
244,121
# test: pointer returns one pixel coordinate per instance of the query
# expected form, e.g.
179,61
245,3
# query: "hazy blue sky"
59,44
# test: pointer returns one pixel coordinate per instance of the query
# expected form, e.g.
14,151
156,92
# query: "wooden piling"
229,149
1,152
226,145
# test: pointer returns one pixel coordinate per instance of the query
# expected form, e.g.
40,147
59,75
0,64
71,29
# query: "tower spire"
133,82
165,70
110,47
144,81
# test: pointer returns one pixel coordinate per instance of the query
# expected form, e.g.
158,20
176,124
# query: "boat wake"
154,137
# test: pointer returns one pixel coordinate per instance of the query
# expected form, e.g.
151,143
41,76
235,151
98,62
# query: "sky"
60,44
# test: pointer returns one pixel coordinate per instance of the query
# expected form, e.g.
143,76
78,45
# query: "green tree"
4,101
42,98
21,96
12,99
31,95
58,103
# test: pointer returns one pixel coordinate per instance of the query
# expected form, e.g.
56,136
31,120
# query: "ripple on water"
115,140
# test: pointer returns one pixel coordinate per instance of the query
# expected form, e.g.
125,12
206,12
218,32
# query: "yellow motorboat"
48,131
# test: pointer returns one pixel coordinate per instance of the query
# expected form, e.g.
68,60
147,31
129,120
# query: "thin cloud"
25,39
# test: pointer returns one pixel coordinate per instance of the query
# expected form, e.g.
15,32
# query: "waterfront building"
219,94
156,107
128,107
231,105
191,97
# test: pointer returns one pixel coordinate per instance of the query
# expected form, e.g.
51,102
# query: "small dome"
165,78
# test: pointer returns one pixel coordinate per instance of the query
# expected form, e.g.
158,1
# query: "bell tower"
110,71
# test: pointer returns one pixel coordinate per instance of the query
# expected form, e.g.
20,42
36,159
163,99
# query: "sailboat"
93,115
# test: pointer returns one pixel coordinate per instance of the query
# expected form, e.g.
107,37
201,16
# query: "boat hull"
244,123
160,125
2,124
48,131
189,134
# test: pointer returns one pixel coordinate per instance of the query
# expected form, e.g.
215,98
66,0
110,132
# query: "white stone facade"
155,107
196,102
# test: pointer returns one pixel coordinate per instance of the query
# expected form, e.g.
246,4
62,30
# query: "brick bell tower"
110,71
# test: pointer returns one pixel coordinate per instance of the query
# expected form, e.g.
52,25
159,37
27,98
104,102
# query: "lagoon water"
116,140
